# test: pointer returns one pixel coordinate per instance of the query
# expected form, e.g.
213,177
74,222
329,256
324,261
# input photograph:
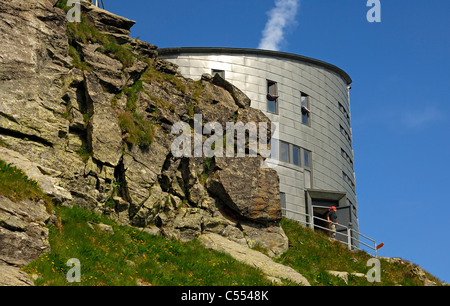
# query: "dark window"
272,97
290,153
347,157
283,202
284,151
306,158
345,133
344,111
306,113
348,180
221,73
296,155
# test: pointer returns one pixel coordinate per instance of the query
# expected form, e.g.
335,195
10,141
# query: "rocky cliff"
87,111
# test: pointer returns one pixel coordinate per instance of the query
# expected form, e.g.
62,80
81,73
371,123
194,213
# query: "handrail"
348,234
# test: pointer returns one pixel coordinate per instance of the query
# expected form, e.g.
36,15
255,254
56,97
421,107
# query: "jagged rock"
246,188
219,105
166,67
33,43
107,22
133,73
189,223
104,133
108,70
142,168
239,97
143,48
23,238
147,211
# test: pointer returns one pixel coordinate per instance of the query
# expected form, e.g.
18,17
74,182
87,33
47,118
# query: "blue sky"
400,98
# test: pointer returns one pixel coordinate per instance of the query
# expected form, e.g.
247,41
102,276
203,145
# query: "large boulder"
248,189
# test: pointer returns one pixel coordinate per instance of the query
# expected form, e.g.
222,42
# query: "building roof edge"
226,50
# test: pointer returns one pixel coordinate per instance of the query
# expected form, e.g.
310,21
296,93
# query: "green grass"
84,153
15,185
130,255
76,60
139,131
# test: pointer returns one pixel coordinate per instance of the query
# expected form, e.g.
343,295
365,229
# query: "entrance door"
320,210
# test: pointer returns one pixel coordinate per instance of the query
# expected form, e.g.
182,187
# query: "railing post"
349,238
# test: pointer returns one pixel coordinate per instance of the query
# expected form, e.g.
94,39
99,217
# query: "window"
347,157
306,158
344,111
272,97
306,113
296,155
221,73
290,153
284,152
283,203
348,180
274,148
345,133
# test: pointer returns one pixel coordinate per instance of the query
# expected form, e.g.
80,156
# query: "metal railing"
350,237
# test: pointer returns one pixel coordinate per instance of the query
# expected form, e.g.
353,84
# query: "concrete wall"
326,86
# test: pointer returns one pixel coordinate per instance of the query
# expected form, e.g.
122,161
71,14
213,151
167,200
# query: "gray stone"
246,188
239,97
253,258
23,232
13,276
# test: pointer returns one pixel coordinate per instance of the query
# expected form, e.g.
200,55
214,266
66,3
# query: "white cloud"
421,116
281,16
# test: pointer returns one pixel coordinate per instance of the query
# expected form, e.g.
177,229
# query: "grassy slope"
130,256
312,254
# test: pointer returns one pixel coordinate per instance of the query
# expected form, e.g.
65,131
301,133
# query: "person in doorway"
332,218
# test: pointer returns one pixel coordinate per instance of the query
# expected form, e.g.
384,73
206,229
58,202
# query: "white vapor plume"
280,17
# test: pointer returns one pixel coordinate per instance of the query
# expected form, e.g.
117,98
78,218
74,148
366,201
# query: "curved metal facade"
315,155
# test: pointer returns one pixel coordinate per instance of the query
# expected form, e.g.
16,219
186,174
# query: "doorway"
320,210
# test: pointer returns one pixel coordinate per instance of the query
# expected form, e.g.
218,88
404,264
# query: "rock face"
23,238
92,123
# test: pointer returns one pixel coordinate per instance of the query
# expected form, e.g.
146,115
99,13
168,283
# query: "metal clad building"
310,101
